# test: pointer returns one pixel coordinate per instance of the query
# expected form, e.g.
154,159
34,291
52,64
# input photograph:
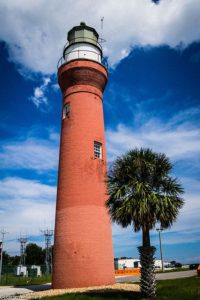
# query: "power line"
22,241
3,232
47,233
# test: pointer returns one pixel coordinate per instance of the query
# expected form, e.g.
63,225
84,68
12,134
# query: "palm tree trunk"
146,236
147,279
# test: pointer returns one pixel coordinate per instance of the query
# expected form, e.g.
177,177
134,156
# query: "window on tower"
97,150
66,110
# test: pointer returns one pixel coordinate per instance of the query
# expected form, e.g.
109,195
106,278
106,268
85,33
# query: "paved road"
8,293
160,276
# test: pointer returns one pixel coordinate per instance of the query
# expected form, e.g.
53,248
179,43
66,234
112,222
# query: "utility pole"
47,233
22,241
161,255
3,232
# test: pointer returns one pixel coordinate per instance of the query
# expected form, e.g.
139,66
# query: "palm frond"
141,190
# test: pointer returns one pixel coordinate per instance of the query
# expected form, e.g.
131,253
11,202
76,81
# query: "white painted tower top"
82,44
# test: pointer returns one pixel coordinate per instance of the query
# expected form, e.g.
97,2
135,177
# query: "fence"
23,275
128,272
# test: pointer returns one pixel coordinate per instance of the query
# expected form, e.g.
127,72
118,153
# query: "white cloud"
55,87
39,97
25,190
26,207
35,31
178,138
34,154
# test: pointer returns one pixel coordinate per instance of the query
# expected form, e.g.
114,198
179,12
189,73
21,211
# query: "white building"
129,263
37,270
158,264
25,271
22,271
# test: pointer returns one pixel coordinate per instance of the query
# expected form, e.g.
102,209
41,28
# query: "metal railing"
79,55
84,40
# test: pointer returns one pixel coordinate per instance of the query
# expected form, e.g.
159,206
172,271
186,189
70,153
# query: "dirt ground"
51,292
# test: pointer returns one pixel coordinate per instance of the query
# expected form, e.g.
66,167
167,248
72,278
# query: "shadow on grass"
114,294
176,289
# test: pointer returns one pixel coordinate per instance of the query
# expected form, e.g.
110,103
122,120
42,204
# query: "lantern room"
82,44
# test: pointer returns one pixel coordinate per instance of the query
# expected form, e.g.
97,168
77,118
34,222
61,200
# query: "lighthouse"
83,254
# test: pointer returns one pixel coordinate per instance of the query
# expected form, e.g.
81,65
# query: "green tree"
9,260
142,193
6,258
34,254
15,260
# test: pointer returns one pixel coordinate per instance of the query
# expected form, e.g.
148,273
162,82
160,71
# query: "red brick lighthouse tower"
83,254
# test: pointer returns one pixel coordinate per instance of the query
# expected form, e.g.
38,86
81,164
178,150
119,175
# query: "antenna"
102,23
101,40
47,233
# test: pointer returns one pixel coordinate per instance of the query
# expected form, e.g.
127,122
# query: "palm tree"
142,193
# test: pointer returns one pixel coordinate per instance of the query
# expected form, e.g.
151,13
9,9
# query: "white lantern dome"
82,44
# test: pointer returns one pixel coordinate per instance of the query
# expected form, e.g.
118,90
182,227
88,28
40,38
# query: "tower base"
81,259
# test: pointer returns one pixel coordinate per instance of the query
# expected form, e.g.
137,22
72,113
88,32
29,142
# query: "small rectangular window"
66,110
97,150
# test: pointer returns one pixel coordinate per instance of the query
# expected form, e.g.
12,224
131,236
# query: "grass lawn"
184,289
177,289
10,279
173,270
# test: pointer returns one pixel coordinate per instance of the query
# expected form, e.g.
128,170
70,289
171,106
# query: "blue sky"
152,100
